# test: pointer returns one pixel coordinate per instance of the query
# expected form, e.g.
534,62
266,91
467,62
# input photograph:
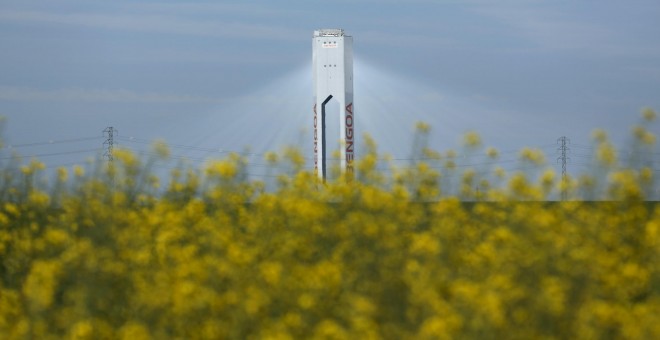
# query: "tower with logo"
332,64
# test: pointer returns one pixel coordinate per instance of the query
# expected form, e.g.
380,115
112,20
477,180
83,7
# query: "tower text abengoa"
332,60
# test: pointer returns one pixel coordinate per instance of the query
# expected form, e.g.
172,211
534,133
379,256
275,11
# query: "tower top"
329,32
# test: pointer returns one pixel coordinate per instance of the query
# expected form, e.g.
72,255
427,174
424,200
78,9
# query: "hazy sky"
220,75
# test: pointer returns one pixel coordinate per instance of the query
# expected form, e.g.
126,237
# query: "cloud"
11,93
431,97
398,39
154,23
217,9
564,28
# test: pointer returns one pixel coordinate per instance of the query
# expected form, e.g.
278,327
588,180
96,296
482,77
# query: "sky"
212,77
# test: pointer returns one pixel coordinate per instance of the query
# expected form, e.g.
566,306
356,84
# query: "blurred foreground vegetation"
113,251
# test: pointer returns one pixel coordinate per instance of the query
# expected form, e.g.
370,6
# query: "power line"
226,151
189,147
65,165
475,160
51,142
54,154
383,167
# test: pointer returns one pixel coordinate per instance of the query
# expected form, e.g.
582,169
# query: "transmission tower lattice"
564,150
109,143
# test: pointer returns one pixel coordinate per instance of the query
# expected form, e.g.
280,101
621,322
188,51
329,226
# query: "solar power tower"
332,60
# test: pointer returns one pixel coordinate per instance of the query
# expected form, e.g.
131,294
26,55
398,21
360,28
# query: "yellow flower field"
115,252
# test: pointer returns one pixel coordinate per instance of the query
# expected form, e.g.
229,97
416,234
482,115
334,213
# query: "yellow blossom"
161,149
471,139
606,154
39,198
534,156
271,272
306,301
134,331
82,330
41,283
599,135
226,169
11,209
422,127
78,171
648,114
424,244
492,152
62,174
401,254
127,158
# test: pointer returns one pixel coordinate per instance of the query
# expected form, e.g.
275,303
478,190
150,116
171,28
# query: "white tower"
332,63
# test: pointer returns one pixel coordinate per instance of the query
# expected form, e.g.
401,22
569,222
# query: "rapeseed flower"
413,255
